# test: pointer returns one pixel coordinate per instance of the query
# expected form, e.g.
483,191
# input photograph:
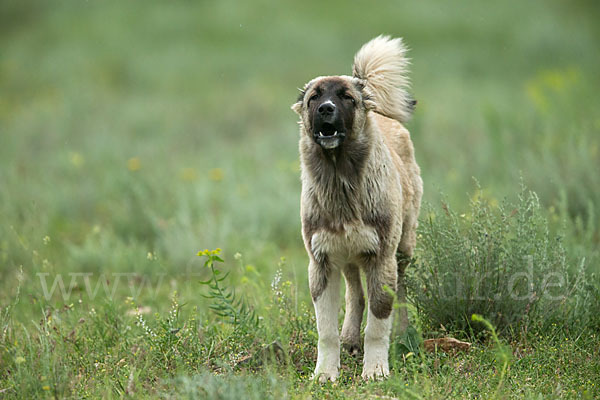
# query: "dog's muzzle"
328,129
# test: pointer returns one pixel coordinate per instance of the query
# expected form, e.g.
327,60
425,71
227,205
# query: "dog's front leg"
324,284
379,319
355,305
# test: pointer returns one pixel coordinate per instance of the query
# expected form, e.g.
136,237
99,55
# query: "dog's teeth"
335,133
320,133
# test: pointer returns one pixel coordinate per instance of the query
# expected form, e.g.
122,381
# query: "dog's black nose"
327,108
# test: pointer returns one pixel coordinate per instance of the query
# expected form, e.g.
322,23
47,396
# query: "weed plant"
499,261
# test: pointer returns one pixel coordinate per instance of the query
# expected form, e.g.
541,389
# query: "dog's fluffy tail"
382,66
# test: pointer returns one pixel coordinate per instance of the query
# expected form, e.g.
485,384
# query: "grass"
134,135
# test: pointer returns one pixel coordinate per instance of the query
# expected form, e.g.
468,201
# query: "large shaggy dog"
361,193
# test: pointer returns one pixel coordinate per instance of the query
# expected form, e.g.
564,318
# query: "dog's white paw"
375,371
375,363
326,374
328,360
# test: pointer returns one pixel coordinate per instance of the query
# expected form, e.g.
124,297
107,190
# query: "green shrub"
496,260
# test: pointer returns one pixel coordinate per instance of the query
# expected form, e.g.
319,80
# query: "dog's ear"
413,105
297,106
369,103
367,96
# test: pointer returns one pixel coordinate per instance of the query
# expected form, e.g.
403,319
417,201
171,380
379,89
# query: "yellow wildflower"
76,159
216,174
189,174
134,164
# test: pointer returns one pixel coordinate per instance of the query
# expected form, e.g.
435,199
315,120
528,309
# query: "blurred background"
133,134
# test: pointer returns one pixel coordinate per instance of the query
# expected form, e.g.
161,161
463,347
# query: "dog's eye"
348,97
313,97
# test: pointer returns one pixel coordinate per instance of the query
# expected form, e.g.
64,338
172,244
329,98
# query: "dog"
361,194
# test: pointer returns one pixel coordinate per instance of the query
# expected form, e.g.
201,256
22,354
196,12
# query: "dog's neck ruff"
336,177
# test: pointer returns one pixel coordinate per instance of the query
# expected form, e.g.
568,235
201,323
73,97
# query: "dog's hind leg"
355,305
403,255
402,319
324,283
379,318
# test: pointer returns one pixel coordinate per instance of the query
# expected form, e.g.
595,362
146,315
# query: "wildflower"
144,326
133,164
216,174
76,159
237,256
276,284
188,174
45,387
46,239
207,252
19,360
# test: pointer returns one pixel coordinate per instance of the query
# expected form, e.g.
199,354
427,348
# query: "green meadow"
150,239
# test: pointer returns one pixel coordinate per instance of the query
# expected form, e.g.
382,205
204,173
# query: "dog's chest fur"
351,241
346,205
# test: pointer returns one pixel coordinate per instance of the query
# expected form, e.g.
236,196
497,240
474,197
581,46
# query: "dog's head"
333,109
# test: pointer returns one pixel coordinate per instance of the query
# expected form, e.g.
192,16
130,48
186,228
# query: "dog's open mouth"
328,136
327,130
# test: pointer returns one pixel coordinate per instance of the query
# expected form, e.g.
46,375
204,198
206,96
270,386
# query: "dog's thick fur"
361,194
